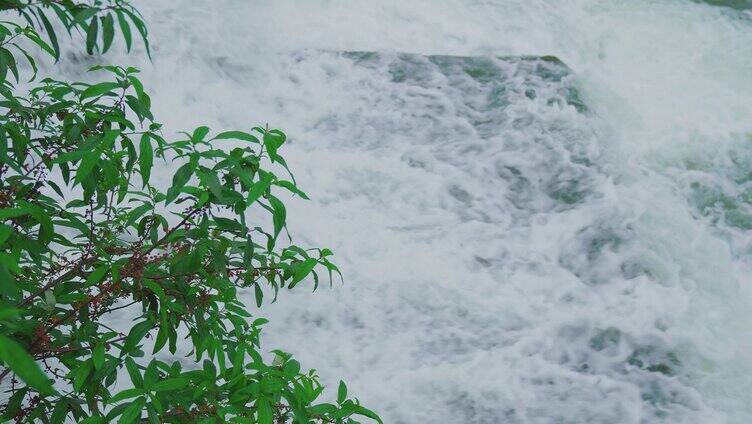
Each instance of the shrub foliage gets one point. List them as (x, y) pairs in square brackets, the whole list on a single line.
[(91, 228)]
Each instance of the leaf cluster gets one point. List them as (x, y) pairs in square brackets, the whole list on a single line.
[(91, 231), (95, 20)]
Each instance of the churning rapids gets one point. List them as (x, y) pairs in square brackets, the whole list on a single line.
[(542, 208)]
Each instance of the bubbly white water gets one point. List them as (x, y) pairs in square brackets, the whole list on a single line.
[(507, 259)]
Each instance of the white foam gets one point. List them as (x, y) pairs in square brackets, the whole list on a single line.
[(462, 302)]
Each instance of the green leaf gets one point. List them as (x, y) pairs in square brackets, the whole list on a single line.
[(11, 262), (97, 275), (70, 156), (81, 375), (108, 32), (237, 135), (3, 69), (154, 409), (289, 185), (133, 412), (9, 286), (264, 411), (259, 294), (125, 394), (211, 181), (170, 384), (7, 313), (32, 63), (141, 29), (5, 232), (50, 34), (229, 224), (136, 213), (199, 133), (292, 368), (64, 17), (323, 408), (137, 333), (14, 212), (15, 402), (155, 288), (59, 412), (273, 140), (161, 340), (139, 87), (259, 188), (39, 42), (134, 372), (83, 15), (145, 158), (341, 392), (302, 270), (99, 89), (50, 299), (98, 356), (125, 29), (179, 180), (24, 366), (279, 215), (7, 60), (360, 410), (91, 36), (87, 165)]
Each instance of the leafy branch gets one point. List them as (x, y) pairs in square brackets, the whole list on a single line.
[(87, 231)]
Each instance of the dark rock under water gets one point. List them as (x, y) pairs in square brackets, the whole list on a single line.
[(483, 69), (733, 4)]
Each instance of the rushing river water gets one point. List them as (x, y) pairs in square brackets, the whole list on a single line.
[(524, 239)]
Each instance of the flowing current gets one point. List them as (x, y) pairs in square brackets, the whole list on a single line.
[(542, 209)]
